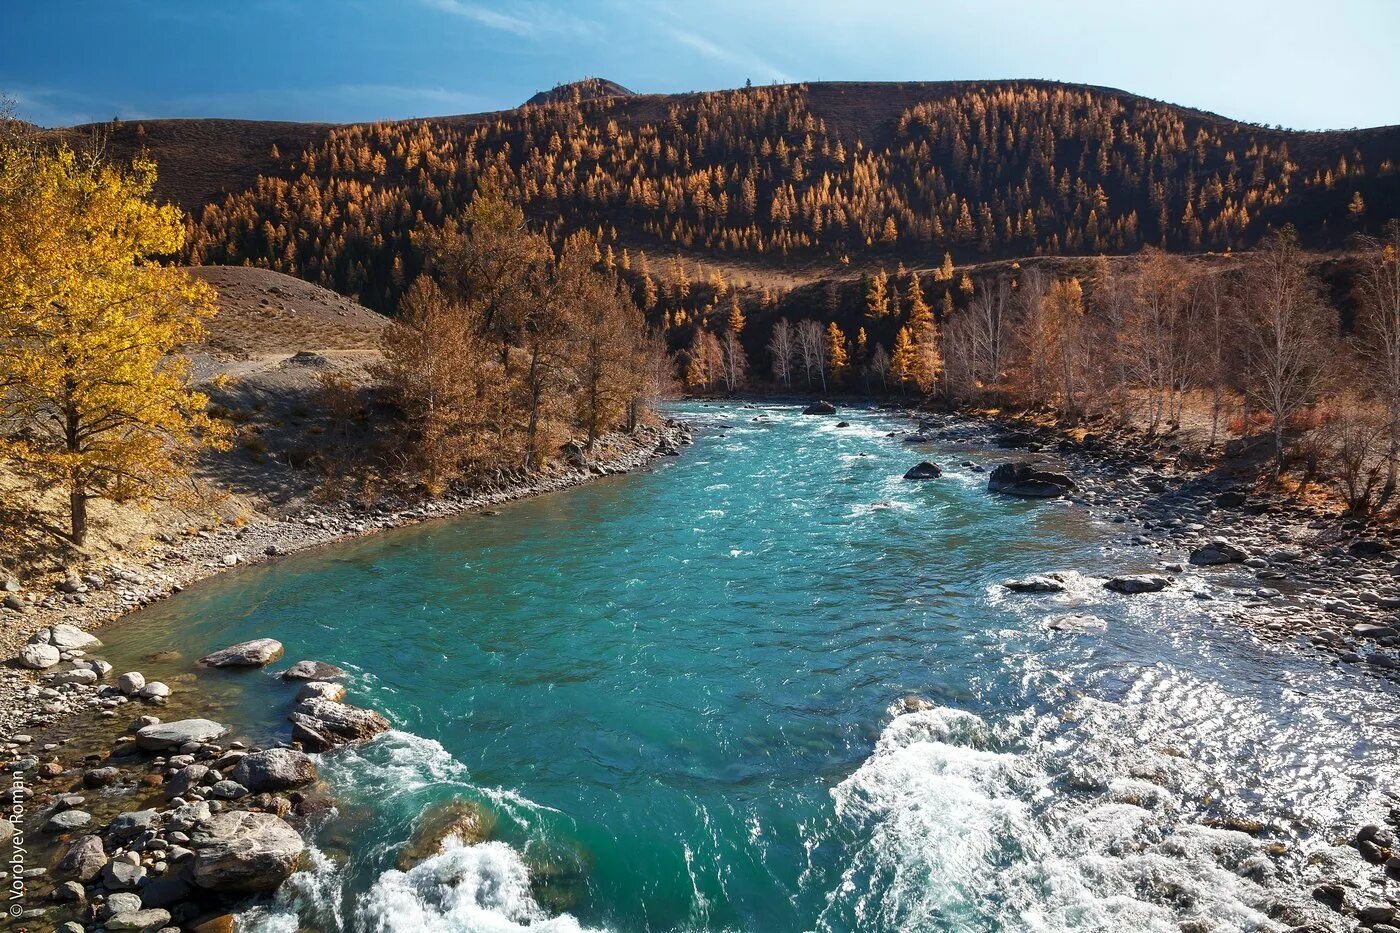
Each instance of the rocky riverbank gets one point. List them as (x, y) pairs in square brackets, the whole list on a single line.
[(1290, 573), (152, 824), (84, 601), (167, 824), (1286, 570)]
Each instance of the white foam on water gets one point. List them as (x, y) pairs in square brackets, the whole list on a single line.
[(310, 899), (483, 887), (955, 833), (394, 763)]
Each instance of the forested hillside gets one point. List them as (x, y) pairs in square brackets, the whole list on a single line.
[(812, 178)]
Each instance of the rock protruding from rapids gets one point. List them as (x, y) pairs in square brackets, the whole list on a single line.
[(256, 653), (924, 470), (313, 670), (464, 820), (274, 769), (820, 408), (320, 724), (1040, 583), (242, 851), (172, 735), (1025, 481), (1216, 552), (1132, 584), (1075, 622)]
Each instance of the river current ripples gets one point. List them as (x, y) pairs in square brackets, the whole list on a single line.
[(770, 685)]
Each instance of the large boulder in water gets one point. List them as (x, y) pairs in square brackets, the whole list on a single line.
[(820, 408), (170, 735), (242, 851), (1024, 480), (924, 470), (1219, 551), (324, 724), (313, 670), (1040, 583), (274, 769), (256, 653), (463, 820)]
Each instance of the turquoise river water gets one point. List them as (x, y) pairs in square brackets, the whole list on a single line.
[(680, 694)]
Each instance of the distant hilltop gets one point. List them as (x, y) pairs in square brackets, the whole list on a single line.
[(578, 91)]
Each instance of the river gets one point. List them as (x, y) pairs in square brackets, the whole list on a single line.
[(681, 696)]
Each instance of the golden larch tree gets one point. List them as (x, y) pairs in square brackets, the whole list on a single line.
[(838, 360), (94, 398)]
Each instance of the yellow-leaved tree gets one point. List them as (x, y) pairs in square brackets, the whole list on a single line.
[(93, 398)]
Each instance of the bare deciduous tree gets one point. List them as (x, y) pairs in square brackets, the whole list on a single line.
[(1379, 331), (782, 351), (1288, 331), (811, 350)]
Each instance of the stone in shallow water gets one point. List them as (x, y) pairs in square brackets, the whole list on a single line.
[(255, 653), (83, 860), (321, 689), (169, 735), (322, 724), (153, 918), (1133, 584), (1040, 583), (1076, 622), (67, 821), (924, 470), (464, 820), (1025, 481), (313, 670)]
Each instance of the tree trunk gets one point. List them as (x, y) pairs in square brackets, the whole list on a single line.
[(77, 517)]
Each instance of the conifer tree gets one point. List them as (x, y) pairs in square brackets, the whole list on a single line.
[(877, 302), (837, 358)]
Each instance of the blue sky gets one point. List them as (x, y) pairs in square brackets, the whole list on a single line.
[(1296, 63)]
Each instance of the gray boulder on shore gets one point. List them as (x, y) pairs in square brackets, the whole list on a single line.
[(37, 657), (243, 851), (65, 637), (256, 653), (1217, 552), (274, 769)]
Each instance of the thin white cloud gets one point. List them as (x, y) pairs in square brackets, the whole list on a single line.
[(484, 16), (729, 55), (531, 20)]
